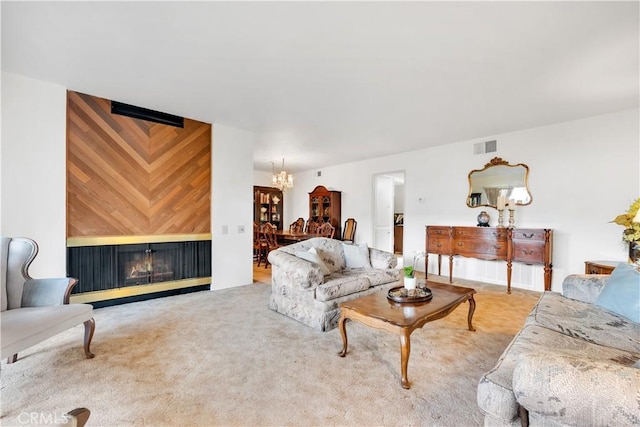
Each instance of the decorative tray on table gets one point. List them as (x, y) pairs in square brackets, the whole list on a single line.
[(402, 294)]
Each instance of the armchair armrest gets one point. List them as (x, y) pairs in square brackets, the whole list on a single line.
[(577, 391), (45, 292), (584, 287), (382, 259), (290, 270)]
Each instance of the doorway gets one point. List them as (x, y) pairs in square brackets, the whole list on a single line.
[(388, 211)]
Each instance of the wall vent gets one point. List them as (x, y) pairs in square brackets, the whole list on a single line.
[(485, 147)]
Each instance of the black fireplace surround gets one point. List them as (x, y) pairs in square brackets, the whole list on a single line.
[(101, 268)]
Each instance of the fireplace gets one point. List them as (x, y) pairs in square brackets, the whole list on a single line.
[(107, 272)]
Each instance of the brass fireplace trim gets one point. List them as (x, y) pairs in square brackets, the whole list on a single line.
[(130, 240), (131, 291)]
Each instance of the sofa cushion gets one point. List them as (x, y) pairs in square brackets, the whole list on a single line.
[(495, 390), (585, 321), (356, 256), (341, 286), (312, 256), (333, 258), (621, 292), (330, 251), (376, 276)]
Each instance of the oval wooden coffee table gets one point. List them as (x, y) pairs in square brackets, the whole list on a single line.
[(402, 319)]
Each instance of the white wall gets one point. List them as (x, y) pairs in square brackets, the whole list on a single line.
[(264, 179), (232, 206), (33, 171), (582, 174)]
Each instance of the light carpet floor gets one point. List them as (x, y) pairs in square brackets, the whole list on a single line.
[(223, 358)]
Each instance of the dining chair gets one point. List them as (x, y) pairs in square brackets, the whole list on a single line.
[(297, 226), (327, 230), (311, 227), (269, 234), (259, 244), (349, 232)]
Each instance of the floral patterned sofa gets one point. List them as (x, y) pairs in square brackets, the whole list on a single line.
[(573, 363), (310, 279)]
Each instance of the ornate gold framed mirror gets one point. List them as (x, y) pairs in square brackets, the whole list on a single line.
[(496, 180)]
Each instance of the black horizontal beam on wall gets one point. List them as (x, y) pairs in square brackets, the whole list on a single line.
[(146, 114)]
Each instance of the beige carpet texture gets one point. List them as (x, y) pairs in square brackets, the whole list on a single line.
[(222, 358)]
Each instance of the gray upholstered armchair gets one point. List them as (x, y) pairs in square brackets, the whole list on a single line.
[(35, 309)]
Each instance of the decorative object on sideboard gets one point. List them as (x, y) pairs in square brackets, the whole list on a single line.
[(511, 206), (281, 180), (501, 203), (483, 219), (630, 220)]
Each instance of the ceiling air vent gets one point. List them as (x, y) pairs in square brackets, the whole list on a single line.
[(485, 147), (146, 114)]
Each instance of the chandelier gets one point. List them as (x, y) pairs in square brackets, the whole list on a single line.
[(282, 179)]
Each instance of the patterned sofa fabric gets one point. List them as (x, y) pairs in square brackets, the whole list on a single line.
[(585, 321), (567, 328), (300, 290), (615, 403)]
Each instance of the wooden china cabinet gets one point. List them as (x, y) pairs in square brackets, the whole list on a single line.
[(325, 206), (267, 206)]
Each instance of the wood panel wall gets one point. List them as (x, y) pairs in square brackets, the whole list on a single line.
[(131, 177)]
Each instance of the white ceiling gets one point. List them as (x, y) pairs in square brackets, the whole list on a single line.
[(324, 83)]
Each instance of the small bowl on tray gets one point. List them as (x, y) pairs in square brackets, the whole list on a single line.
[(402, 294)]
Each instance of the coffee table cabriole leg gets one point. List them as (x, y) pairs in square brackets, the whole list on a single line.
[(472, 308), (405, 350), (343, 332)]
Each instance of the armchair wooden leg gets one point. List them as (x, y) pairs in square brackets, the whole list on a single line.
[(81, 416), (12, 359), (524, 416), (89, 328)]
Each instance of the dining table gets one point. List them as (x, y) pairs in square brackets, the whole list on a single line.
[(286, 237)]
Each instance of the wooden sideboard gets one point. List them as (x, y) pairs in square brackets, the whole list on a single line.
[(526, 245), (600, 267)]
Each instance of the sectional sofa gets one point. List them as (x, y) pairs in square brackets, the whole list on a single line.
[(575, 362)]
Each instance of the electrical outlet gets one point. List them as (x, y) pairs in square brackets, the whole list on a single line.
[(240, 229), (225, 229)]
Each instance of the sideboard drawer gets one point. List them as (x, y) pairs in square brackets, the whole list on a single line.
[(438, 231), (439, 246), (480, 248), (528, 234), (528, 252), (479, 233)]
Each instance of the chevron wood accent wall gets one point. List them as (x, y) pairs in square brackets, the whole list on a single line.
[(130, 177)]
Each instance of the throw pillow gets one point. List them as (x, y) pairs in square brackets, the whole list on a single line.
[(357, 256), (312, 256), (621, 292)]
